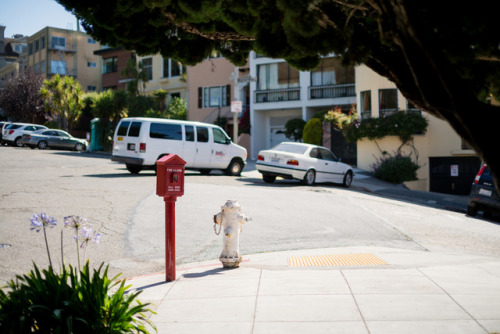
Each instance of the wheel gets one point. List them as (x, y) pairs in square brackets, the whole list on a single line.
[(32, 147), (134, 169), (42, 145), (17, 142), (471, 210), (347, 179), (487, 214), (234, 168), (205, 171), (268, 178), (309, 178), (79, 147)]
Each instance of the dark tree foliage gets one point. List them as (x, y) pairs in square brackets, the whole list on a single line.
[(442, 55), (21, 100)]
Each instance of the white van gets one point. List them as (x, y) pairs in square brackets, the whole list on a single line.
[(139, 142)]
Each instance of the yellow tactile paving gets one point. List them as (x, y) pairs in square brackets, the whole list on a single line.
[(363, 259)]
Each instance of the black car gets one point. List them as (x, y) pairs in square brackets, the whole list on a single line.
[(483, 195)]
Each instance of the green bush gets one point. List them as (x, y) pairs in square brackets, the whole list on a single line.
[(71, 301), (313, 132), (396, 169)]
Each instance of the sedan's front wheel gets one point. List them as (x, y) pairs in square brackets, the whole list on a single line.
[(79, 147), (309, 178), (347, 179)]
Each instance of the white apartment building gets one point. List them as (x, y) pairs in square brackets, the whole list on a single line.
[(279, 93)]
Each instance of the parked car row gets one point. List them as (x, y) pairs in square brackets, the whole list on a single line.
[(36, 135)]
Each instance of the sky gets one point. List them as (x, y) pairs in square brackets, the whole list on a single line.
[(27, 17)]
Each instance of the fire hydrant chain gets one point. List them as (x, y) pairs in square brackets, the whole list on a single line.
[(232, 219), (215, 227)]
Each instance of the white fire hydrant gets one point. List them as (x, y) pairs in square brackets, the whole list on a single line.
[(230, 220)]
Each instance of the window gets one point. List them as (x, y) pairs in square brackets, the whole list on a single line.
[(219, 136), (42, 43), (189, 132), (91, 41), (110, 65), (202, 134), (277, 76), (17, 48), (91, 88), (326, 155), (365, 104), (387, 101), (30, 49), (166, 131), (135, 129), (42, 66), (172, 68), (58, 67), (58, 42), (216, 96), (91, 64), (147, 68), (37, 45), (122, 130), (325, 73)]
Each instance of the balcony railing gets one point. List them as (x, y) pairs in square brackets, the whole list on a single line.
[(277, 95), (331, 91)]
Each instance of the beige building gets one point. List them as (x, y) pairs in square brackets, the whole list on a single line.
[(163, 74), (446, 163), (65, 52), (12, 55)]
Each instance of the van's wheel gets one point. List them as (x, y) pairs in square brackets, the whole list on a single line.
[(205, 171), (309, 178), (134, 169), (234, 168), (268, 178), (347, 179)]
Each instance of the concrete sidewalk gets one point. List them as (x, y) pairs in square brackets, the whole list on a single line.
[(346, 290)]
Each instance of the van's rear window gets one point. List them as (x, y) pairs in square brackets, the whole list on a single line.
[(135, 129), (122, 130), (166, 131)]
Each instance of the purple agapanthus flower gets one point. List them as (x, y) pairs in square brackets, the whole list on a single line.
[(42, 220), (75, 222), (88, 234)]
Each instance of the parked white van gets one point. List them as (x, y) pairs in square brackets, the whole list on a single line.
[(139, 142)]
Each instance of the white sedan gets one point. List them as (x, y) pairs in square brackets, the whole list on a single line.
[(305, 162)]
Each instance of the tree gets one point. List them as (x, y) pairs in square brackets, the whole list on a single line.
[(294, 128), (161, 97), (63, 99), (443, 57), (20, 98), (136, 74), (109, 106)]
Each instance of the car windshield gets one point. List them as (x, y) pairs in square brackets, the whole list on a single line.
[(290, 148)]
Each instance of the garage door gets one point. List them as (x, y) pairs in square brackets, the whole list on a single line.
[(452, 175)]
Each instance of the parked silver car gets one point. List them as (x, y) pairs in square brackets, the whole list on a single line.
[(50, 138)]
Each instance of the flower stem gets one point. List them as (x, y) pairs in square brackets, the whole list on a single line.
[(62, 252), (47, 245)]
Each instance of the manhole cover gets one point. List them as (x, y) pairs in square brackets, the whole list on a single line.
[(4, 245)]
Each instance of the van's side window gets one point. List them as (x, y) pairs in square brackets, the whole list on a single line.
[(189, 132), (202, 134), (122, 130), (219, 136), (166, 131), (135, 129)]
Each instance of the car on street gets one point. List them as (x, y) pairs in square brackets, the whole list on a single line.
[(52, 138), (305, 162), (483, 196), (2, 125), (13, 132)]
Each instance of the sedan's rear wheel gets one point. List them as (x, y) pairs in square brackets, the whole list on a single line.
[(42, 145), (309, 178)]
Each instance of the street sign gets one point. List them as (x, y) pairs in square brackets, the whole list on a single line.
[(236, 106)]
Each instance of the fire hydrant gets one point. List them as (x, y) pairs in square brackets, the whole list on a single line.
[(230, 220)]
